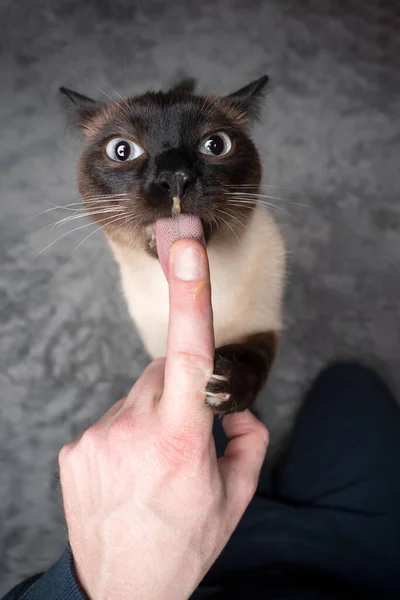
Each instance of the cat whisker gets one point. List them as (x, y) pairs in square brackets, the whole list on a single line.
[(56, 206), (109, 201), (267, 206), (254, 195), (131, 220), (86, 214), (64, 234), (97, 229), (208, 103), (230, 227), (255, 201), (101, 91), (232, 216), (242, 201), (113, 100), (213, 219), (106, 198), (249, 205), (251, 185), (124, 100), (262, 199), (94, 200)]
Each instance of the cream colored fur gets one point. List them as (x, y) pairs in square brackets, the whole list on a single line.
[(247, 277)]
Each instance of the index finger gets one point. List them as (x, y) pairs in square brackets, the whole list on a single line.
[(190, 346)]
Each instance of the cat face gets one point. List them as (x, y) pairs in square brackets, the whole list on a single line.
[(155, 155)]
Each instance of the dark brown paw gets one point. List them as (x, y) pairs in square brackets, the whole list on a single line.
[(237, 379)]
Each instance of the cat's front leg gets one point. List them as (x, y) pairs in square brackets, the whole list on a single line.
[(240, 372)]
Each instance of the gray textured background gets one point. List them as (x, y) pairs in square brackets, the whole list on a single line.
[(331, 140)]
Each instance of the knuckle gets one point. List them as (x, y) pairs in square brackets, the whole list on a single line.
[(122, 428), (88, 440), (193, 363), (64, 455), (247, 490), (179, 447), (155, 365), (158, 361), (263, 434)]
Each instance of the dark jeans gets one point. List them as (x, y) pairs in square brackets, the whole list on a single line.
[(330, 522)]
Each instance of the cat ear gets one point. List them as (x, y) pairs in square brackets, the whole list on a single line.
[(77, 108), (249, 98)]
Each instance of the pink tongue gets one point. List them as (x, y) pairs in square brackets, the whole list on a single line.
[(176, 228)]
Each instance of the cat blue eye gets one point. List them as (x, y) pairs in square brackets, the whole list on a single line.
[(216, 144), (122, 150)]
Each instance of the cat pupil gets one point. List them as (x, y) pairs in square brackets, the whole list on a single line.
[(123, 150), (215, 145)]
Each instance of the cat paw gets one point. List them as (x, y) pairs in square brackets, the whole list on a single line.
[(234, 385)]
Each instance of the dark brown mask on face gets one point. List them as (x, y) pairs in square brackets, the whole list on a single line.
[(159, 154)]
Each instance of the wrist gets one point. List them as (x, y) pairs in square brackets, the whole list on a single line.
[(170, 578)]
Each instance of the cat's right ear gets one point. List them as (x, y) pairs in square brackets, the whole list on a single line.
[(77, 108)]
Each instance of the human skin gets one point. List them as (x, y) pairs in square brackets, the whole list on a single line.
[(148, 505)]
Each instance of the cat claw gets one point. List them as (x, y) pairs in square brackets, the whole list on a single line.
[(214, 400), (219, 377), (213, 397)]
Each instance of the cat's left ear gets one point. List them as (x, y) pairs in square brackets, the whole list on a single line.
[(78, 108), (249, 98)]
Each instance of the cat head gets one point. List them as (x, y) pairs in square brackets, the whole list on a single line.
[(152, 156)]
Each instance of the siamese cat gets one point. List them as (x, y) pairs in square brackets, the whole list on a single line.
[(167, 165)]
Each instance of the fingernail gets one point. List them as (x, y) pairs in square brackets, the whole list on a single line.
[(187, 263)]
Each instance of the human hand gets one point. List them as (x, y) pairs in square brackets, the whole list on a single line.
[(148, 505)]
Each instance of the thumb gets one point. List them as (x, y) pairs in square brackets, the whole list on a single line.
[(244, 456)]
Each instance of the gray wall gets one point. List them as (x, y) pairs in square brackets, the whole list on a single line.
[(330, 140)]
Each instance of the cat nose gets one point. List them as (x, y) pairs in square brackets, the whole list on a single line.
[(175, 183)]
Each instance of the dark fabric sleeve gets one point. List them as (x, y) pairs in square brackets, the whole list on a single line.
[(58, 583)]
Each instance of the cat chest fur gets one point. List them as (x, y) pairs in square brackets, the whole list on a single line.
[(247, 276)]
